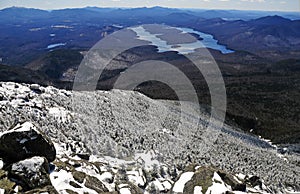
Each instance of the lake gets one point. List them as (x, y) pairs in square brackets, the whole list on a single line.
[(163, 45)]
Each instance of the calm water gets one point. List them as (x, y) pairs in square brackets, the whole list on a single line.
[(185, 48), (208, 41)]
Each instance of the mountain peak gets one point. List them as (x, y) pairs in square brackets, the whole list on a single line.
[(271, 20)]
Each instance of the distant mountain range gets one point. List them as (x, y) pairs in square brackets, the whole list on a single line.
[(273, 37), (26, 33), (152, 11)]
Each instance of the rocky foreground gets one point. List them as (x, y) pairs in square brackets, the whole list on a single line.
[(57, 141)]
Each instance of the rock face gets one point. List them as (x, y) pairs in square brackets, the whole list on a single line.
[(25, 141), (31, 173)]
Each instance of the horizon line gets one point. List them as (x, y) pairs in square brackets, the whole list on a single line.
[(149, 7)]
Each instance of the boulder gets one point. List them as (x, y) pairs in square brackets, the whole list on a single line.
[(202, 177), (31, 173), (230, 180), (211, 179), (95, 184), (24, 141)]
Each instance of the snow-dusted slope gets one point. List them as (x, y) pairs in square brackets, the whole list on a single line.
[(136, 129)]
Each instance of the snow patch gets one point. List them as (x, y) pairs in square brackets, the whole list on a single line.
[(218, 186), (292, 192), (106, 176), (125, 191), (60, 113), (197, 190), (27, 126), (147, 158), (184, 178), (136, 177), (61, 181), (30, 164)]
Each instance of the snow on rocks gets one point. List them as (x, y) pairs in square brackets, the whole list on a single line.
[(24, 141), (31, 173), (291, 192), (147, 159), (184, 178), (107, 177), (61, 180), (160, 185), (60, 113), (16, 95), (26, 152), (240, 176), (31, 100), (128, 188), (142, 133), (25, 127), (211, 180), (124, 189), (136, 177), (115, 174), (218, 185), (197, 190)]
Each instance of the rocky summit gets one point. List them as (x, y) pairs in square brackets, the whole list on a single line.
[(58, 141)]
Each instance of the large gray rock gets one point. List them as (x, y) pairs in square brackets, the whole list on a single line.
[(210, 180), (31, 173), (25, 141)]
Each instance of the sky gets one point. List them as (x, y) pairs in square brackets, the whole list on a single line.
[(267, 5)]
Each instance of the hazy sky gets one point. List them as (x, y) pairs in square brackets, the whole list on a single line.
[(274, 5)]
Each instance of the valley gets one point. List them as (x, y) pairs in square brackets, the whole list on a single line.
[(149, 100), (261, 76)]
